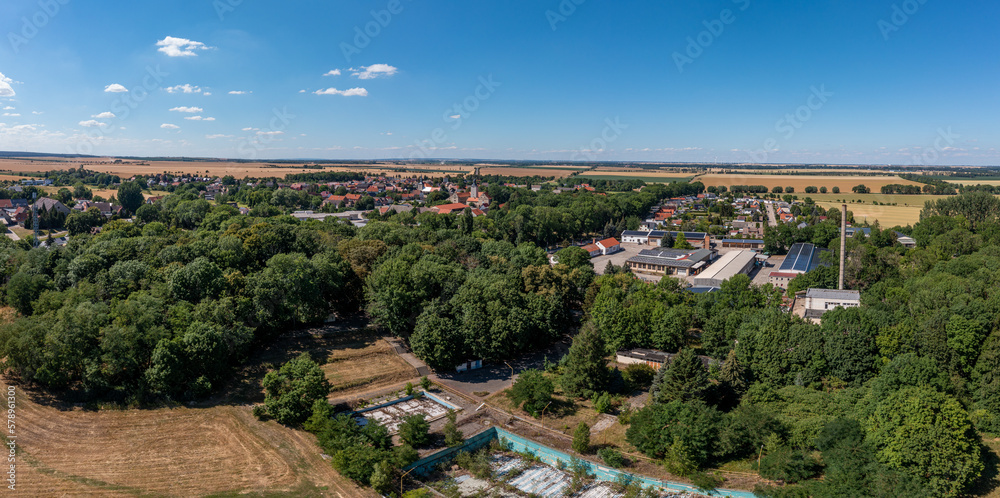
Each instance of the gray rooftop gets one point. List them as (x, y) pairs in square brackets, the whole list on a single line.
[(843, 295)]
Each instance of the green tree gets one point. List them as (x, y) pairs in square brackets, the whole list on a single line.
[(685, 379), (574, 257), (414, 431), (291, 391), (681, 242), (130, 196), (532, 391), (836, 190), (581, 438), (452, 435), (586, 371), (927, 434)]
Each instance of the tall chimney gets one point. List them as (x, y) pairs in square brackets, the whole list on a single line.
[(843, 244)]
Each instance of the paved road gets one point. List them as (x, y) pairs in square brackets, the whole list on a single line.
[(772, 219), (12, 236)]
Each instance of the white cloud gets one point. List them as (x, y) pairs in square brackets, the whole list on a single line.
[(207, 93), (353, 92), (332, 72), (239, 92), (180, 47), (8, 108), (12, 114), (90, 123), (455, 116), (187, 109), (374, 71), (104, 115), (250, 129), (168, 126), (302, 91), (37, 112), (219, 135), (199, 118), (270, 133), (115, 88), (5, 89), (185, 88)]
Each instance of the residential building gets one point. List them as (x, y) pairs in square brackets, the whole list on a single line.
[(819, 301)]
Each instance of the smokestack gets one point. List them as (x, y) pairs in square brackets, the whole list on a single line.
[(843, 244)]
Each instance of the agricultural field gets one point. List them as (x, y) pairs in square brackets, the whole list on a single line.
[(647, 179), (180, 451), (898, 199), (887, 216), (557, 172), (215, 448), (129, 168), (800, 182)]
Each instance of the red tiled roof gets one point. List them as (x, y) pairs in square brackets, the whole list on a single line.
[(609, 242)]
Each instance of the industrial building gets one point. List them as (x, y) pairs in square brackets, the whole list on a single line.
[(819, 301), (728, 266), (665, 261)]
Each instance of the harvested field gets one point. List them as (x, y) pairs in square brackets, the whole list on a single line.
[(887, 216), (365, 363), (129, 168), (647, 179), (660, 172), (800, 182), (515, 171), (69, 451)]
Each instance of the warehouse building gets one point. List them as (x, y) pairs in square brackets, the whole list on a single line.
[(819, 301), (728, 266)]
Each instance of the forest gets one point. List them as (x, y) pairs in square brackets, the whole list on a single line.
[(894, 395)]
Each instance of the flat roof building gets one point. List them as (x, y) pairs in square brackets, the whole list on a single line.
[(801, 258), (728, 266), (819, 301), (664, 261)]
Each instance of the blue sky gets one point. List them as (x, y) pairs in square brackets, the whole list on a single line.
[(848, 81)]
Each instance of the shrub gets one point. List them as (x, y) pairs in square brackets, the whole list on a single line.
[(612, 457), (452, 436), (409, 389), (581, 438), (602, 403), (414, 431), (425, 383), (638, 376), (788, 465)]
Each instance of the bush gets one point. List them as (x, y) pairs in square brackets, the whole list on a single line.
[(532, 391), (260, 411), (289, 393), (638, 376), (425, 383), (414, 431), (786, 464), (602, 403), (452, 436), (705, 482), (409, 389), (612, 457), (581, 438)]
